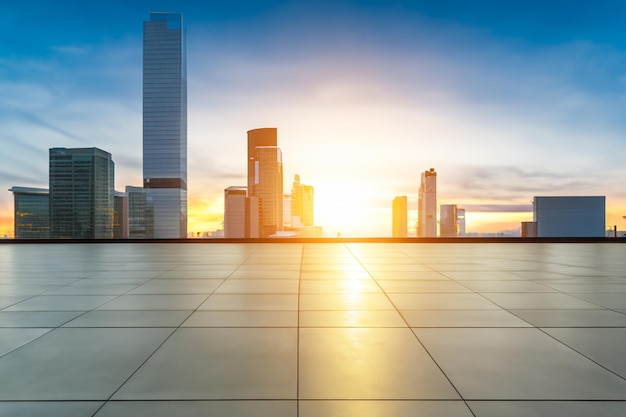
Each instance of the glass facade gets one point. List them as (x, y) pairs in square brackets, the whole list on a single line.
[(165, 122), (268, 188), (31, 213), (81, 193), (140, 213)]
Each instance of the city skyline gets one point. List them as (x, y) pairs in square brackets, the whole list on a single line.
[(507, 102)]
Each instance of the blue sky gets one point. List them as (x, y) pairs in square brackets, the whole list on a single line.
[(506, 100)]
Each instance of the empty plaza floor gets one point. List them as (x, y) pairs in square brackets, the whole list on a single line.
[(313, 329)]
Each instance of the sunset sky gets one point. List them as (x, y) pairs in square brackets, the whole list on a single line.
[(505, 99)]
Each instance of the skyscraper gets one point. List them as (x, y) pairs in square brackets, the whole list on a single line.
[(268, 189), (81, 193), (302, 204), (427, 205), (265, 184), (399, 217), (165, 122), (31, 213)]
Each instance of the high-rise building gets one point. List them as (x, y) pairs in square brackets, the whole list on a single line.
[(120, 215), (81, 193), (302, 204), (235, 209), (267, 136), (399, 217), (448, 220), (31, 213), (165, 122), (265, 183), (427, 205), (268, 189), (140, 213)]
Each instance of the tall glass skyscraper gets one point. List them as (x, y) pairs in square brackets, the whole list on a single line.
[(81, 193), (165, 122)]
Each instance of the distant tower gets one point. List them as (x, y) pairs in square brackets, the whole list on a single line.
[(427, 211), (265, 183), (268, 189), (81, 193), (235, 212), (302, 203), (400, 217), (31, 213), (448, 220), (165, 122)]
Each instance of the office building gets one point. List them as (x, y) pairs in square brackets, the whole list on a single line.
[(427, 205), (302, 204), (31, 213), (448, 220), (235, 209), (81, 193), (267, 136), (265, 183), (120, 215), (140, 213), (572, 216), (400, 223), (268, 190), (165, 123)]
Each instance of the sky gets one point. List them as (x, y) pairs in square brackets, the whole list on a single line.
[(506, 100)]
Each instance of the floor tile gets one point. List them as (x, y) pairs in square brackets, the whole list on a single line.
[(61, 303), (345, 301), (259, 286), (548, 408), (604, 346), (438, 301), (351, 318), (199, 409), (26, 319), (537, 301), (202, 364), (383, 408), (76, 364), (516, 364), (124, 318), (250, 302), (49, 409), (243, 319), (11, 339), (572, 318), (155, 302), (348, 364), (462, 318)]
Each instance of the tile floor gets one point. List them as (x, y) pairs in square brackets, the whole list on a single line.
[(313, 329)]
